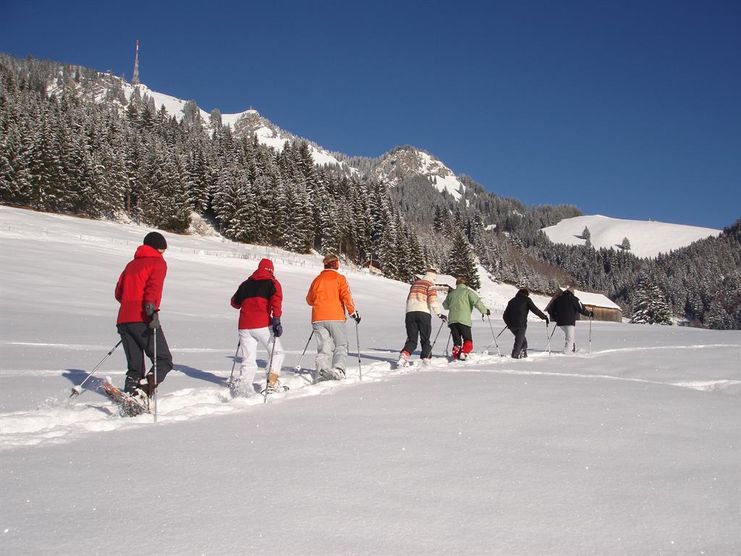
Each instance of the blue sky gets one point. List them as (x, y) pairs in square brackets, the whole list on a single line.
[(629, 108)]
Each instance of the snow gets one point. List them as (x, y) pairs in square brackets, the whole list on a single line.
[(647, 238), (629, 446)]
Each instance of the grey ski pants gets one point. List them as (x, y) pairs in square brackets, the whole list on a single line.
[(331, 344)]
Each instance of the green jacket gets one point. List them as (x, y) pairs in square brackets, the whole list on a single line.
[(460, 303)]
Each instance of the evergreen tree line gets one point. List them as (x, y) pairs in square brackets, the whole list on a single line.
[(59, 153)]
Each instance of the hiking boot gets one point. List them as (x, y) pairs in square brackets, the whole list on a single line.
[(403, 359), (339, 374)]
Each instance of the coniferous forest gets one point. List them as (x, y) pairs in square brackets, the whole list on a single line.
[(71, 142)]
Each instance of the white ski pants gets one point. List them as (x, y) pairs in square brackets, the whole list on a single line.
[(331, 344), (249, 338), (570, 333)]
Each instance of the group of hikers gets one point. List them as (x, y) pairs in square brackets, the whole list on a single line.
[(260, 298)]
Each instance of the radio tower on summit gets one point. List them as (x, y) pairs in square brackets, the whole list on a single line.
[(135, 77)]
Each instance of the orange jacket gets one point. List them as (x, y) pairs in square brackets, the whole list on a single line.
[(329, 297)]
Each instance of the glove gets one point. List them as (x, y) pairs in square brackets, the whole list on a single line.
[(277, 327), (154, 322), (547, 321), (356, 316), (488, 312), (591, 314), (149, 309), (443, 317)]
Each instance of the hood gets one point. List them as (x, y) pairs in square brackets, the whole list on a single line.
[(146, 251), (264, 270)]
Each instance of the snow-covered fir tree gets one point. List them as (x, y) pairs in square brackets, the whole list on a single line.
[(651, 307)]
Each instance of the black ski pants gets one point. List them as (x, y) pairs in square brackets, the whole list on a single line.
[(418, 323), (520, 341), (138, 339), (461, 333)]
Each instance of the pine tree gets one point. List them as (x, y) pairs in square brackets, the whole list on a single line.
[(461, 262), (651, 307)]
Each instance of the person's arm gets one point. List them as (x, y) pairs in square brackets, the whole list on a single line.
[(476, 302), (276, 300), (154, 285), (118, 293), (535, 309), (345, 295), (237, 298)]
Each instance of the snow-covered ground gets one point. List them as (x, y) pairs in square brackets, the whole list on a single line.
[(630, 446), (647, 238)]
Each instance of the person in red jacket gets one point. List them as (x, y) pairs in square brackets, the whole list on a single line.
[(139, 291), (259, 300)]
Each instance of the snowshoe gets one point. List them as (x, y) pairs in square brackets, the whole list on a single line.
[(129, 405), (326, 374), (239, 388)]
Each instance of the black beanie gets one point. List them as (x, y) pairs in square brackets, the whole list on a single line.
[(156, 240)]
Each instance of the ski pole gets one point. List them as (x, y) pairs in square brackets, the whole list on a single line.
[(357, 343), (436, 335), (590, 334), (268, 371), (154, 366), (298, 367), (234, 362), (549, 338), (497, 336), (77, 390)]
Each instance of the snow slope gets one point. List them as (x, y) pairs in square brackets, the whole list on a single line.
[(647, 238), (628, 447)]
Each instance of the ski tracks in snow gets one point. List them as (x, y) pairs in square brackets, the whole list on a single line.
[(64, 420)]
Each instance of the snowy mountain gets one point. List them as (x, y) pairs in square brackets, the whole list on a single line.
[(113, 90), (629, 446), (405, 162), (647, 238)]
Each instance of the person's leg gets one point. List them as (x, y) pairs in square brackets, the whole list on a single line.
[(134, 356), (248, 347), (424, 322), (455, 331), (164, 358), (412, 328), (338, 332), (519, 341), (467, 336), (324, 346), (569, 338)]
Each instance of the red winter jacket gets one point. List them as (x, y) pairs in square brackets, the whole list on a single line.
[(140, 283), (259, 298)]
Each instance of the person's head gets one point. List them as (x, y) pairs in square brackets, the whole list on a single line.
[(266, 264), (155, 240), (523, 291), (460, 280), (331, 261)]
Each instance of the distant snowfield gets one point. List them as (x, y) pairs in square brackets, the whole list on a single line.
[(629, 446), (647, 238)]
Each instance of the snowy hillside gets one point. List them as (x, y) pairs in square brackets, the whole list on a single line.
[(629, 446), (647, 238), (404, 162)]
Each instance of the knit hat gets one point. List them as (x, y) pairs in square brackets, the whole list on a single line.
[(155, 240)]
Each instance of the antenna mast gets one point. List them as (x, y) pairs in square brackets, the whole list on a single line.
[(135, 78)]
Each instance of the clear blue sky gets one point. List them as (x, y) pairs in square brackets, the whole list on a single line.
[(629, 108)]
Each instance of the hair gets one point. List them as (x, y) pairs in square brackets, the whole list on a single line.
[(524, 291), (460, 280)]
